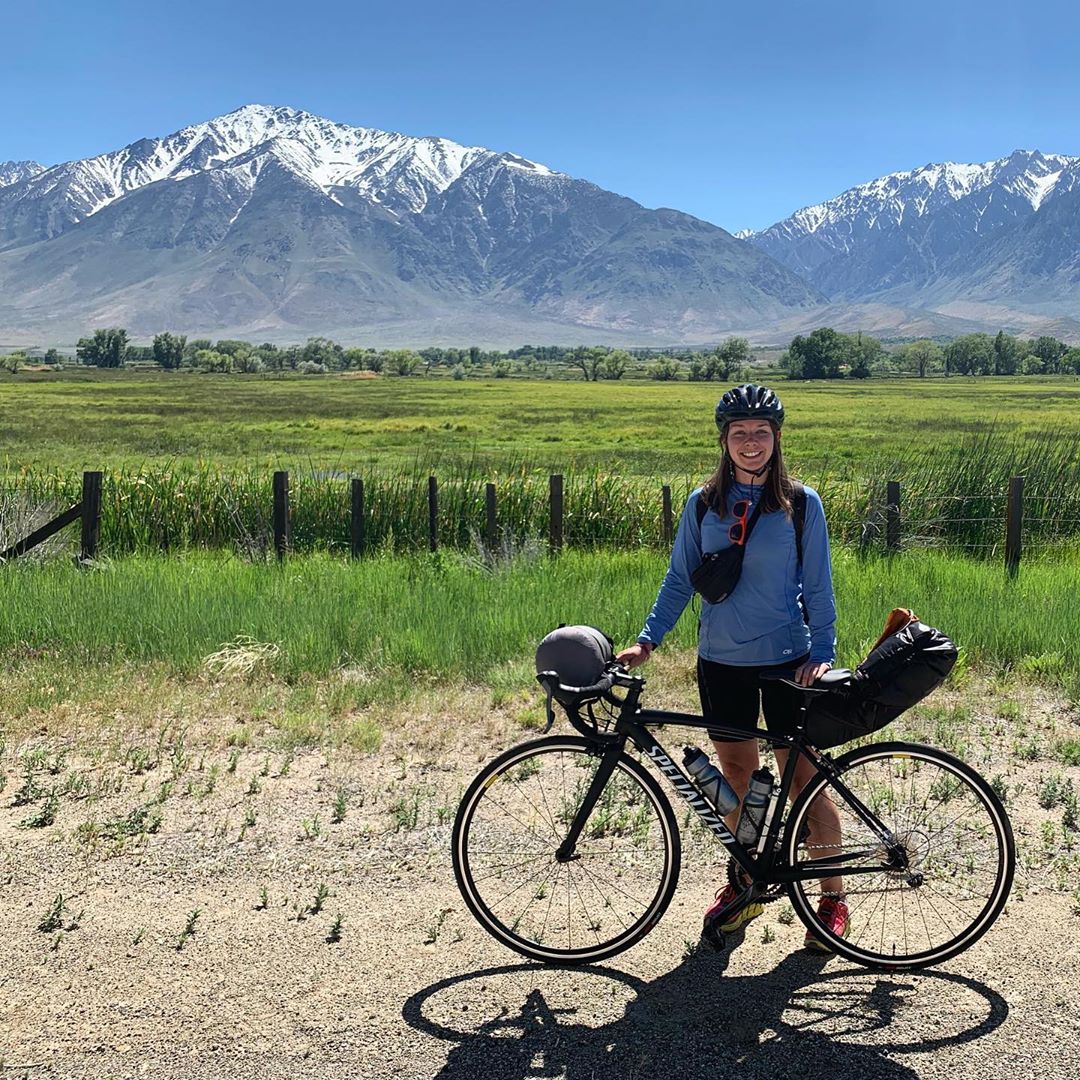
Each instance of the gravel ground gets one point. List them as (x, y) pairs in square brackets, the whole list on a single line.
[(414, 988)]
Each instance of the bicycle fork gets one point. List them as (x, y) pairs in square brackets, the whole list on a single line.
[(608, 760)]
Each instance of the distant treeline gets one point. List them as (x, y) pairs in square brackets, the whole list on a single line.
[(111, 348), (823, 354), (828, 354)]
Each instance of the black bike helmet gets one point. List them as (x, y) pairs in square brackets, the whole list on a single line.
[(749, 402), (579, 654)]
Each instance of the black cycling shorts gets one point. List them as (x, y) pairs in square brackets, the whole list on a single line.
[(733, 696)]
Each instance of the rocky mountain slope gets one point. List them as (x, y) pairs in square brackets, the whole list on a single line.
[(273, 221), (1003, 233), (11, 172)]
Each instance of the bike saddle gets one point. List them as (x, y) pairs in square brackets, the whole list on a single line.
[(833, 679), (840, 676)]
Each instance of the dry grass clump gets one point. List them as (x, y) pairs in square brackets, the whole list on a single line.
[(243, 657)]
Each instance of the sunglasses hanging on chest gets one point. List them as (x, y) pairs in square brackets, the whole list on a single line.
[(719, 572)]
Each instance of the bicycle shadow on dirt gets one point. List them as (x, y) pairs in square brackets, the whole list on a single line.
[(695, 1021)]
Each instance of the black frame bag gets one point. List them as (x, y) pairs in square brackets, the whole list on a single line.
[(904, 666), (719, 572)]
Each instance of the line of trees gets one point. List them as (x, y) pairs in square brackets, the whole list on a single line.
[(828, 354), (825, 353), (112, 348)]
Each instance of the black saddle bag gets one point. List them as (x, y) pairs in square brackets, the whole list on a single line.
[(905, 665)]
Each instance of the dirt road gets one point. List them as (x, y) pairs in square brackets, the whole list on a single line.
[(191, 941)]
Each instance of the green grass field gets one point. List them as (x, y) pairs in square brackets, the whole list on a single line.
[(188, 457), (447, 617), (88, 419)]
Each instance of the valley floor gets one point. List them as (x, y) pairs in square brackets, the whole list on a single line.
[(153, 824)]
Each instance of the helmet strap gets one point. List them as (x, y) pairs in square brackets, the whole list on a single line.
[(750, 472)]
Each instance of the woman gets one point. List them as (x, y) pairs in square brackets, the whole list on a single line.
[(780, 616)]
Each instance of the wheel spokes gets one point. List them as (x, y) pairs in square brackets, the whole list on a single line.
[(941, 876), (615, 874)]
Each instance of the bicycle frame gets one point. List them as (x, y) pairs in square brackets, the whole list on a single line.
[(764, 865)]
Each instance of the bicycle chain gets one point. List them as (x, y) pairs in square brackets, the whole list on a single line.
[(772, 892)]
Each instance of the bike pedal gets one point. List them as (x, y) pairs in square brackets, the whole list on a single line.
[(713, 937)]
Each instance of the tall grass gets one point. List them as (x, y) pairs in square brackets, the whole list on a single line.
[(958, 498), (446, 617), (164, 508), (953, 499)]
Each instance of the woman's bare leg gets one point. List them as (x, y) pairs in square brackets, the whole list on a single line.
[(825, 832)]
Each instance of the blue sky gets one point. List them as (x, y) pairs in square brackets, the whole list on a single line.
[(738, 113)]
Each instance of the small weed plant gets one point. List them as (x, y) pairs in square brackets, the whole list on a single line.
[(435, 928), (53, 919), (334, 934), (44, 816), (188, 931), (321, 896)]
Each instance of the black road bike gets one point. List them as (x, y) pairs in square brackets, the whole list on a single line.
[(567, 850)]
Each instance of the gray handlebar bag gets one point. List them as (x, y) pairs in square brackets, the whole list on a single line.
[(899, 672), (580, 655)]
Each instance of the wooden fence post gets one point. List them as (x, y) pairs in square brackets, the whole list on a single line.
[(892, 516), (281, 513), (1014, 520), (91, 514), (491, 530), (665, 499), (433, 513), (356, 520), (555, 494)]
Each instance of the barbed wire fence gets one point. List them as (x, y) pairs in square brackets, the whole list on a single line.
[(347, 515)]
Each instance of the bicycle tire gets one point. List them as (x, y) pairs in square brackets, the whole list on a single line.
[(625, 867), (959, 845)]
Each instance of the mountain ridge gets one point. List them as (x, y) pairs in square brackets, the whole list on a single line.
[(889, 236), (11, 172), (273, 217), (272, 220)]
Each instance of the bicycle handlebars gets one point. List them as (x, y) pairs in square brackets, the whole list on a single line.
[(580, 695)]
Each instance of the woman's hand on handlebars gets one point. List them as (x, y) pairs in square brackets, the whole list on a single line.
[(807, 674), (637, 654)]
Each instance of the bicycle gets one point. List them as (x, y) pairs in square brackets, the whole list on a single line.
[(566, 849)]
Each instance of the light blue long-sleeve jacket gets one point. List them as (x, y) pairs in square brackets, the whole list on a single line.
[(760, 622)]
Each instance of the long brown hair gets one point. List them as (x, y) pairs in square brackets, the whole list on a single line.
[(778, 485)]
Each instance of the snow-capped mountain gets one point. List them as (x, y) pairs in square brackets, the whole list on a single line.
[(11, 172), (902, 229), (397, 171), (274, 220)]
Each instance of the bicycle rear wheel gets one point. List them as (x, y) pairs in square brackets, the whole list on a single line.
[(956, 855), (608, 895)]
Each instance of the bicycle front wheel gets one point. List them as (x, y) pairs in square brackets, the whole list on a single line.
[(612, 890), (933, 892)]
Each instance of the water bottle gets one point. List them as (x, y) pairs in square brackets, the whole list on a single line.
[(710, 780), (754, 807)]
